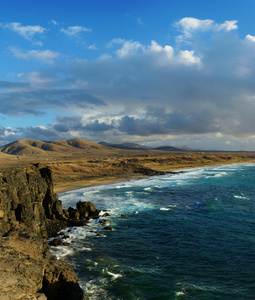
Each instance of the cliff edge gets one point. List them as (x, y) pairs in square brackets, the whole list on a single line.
[(28, 210)]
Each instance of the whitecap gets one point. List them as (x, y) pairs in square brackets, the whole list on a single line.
[(165, 208), (179, 293), (114, 275), (240, 197)]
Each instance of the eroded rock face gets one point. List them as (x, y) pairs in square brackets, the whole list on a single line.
[(60, 282), (22, 261), (29, 212), (26, 196)]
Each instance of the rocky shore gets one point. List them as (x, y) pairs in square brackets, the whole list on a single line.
[(30, 213)]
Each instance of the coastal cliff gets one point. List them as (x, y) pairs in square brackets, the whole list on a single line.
[(29, 209)]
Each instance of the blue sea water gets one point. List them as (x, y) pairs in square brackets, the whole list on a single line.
[(186, 236)]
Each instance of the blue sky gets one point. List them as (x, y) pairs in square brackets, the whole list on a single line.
[(152, 72)]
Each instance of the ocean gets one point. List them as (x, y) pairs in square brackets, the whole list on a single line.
[(188, 235)]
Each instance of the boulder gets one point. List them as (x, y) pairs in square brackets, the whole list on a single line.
[(108, 228), (104, 222), (87, 209), (105, 215), (55, 242)]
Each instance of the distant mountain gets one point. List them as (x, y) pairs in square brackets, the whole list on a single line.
[(169, 148), (127, 146), (134, 146)]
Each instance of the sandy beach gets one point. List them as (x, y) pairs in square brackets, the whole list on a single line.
[(85, 173)]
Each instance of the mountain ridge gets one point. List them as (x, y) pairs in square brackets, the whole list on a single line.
[(74, 147)]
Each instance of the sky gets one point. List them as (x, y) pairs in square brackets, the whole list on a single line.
[(153, 72)]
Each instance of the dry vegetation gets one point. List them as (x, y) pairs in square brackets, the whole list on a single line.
[(80, 163)]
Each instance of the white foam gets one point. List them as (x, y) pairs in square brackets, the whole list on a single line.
[(240, 197), (180, 294), (114, 276), (165, 208), (61, 252), (94, 289)]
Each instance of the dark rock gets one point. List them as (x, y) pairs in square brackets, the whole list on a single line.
[(104, 222), (100, 234), (55, 242), (53, 227), (73, 213), (66, 244), (87, 209), (108, 228), (105, 215), (78, 223), (124, 216)]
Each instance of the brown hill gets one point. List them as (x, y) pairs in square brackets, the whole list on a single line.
[(30, 147), (23, 147), (6, 157), (82, 144)]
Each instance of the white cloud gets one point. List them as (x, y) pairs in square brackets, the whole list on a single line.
[(148, 91), (117, 41), (28, 32), (128, 48), (74, 30), (189, 26), (188, 57), (155, 47), (250, 37), (46, 56), (227, 25)]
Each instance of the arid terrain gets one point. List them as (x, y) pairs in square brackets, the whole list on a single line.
[(76, 163)]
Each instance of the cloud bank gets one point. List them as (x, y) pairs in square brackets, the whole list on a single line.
[(200, 88)]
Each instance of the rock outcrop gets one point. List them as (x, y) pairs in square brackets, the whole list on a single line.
[(29, 212)]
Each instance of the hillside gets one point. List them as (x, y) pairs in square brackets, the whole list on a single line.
[(4, 156), (30, 147)]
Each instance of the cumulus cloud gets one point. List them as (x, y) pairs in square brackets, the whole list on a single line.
[(28, 32), (74, 30), (250, 37), (128, 48), (138, 91), (189, 26)]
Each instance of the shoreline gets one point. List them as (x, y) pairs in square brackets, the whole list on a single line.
[(72, 186)]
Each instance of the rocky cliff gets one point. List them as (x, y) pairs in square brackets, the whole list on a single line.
[(29, 210)]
